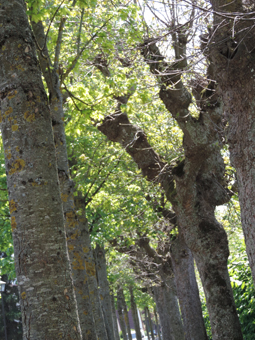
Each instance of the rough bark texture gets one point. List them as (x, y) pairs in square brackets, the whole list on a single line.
[(187, 290), (233, 65), (99, 255), (135, 314), (42, 266), (73, 231)]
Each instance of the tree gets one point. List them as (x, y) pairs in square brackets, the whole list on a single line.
[(231, 54), (42, 267)]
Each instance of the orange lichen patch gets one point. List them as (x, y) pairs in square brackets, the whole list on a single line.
[(17, 149), (8, 154), (77, 262), (12, 206), (90, 268), (23, 295), (55, 108), (88, 332), (70, 219), (71, 247), (85, 297), (67, 297), (85, 249), (13, 223), (30, 117), (10, 110), (64, 197), (85, 313), (12, 94), (18, 165), (101, 297), (15, 127)]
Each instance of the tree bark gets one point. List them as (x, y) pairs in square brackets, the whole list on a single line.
[(233, 65), (99, 322), (163, 313), (74, 240), (121, 314), (157, 324), (135, 314), (101, 268), (187, 290), (42, 266), (147, 323), (150, 322), (114, 319)]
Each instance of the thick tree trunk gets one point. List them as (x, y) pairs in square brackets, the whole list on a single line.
[(101, 268), (187, 290), (42, 266), (234, 71), (135, 314), (75, 245)]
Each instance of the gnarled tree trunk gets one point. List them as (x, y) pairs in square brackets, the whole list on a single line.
[(233, 66)]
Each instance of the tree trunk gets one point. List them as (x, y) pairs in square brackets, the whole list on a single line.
[(150, 322), (163, 313), (157, 324), (135, 314), (101, 268), (42, 267), (234, 71), (187, 290), (74, 241), (147, 323), (99, 322), (121, 314), (125, 312), (114, 319)]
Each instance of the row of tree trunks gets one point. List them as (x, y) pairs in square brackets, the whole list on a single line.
[(41, 259), (135, 314), (104, 290), (188, 294), (192, 186), (115, 320)]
